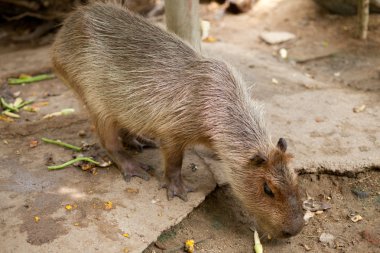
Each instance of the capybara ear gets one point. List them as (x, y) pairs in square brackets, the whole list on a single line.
[(259, 159), (282, 145)]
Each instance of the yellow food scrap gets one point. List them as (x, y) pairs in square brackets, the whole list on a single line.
[(210, 39), (6, 118), (126, 235), (76, 224), (68, 207), (132, 190), (258, 246), (189, 246), (30, 108), (108, 205), (24, 76), (36, 219), (126, 250)]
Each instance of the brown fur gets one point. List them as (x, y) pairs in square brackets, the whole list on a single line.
[(136, 78)]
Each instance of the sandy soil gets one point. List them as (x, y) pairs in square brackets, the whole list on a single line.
[(225, 229)]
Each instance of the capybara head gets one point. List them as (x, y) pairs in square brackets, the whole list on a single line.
[(270, 193)]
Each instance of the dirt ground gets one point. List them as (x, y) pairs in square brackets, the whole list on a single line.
[(222, 228), (309, 98)]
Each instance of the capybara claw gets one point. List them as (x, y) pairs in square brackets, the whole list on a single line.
[(178, 189), (135, 171)]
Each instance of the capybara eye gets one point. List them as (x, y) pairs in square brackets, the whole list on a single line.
[(268, 191)]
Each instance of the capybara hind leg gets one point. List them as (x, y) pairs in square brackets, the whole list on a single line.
[(136, 142), (109, 136), (173, 178)]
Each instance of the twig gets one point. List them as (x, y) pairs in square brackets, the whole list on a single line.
[(58, 167), (31, 79), (37, 33), (27, 4), (63, 144)]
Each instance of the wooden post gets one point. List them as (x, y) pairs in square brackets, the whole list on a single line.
[(363, 17), (182, 18)]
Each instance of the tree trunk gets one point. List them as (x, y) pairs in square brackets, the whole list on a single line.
[(363, 16), (182, 18)]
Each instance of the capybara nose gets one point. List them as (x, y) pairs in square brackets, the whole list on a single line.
[(293, 229), (286, 234)]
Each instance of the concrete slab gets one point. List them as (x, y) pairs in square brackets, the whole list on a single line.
[(28, 190), (316, 118), (139, 207)]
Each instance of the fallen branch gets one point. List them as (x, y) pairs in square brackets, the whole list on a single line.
[(62, 144), (87, 159)]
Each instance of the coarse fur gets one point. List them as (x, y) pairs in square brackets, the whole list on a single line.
[(133, 76)]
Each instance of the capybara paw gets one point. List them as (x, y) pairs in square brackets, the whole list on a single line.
[(135, 170), (177, 188)]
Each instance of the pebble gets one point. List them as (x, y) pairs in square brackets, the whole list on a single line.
[(276, 37), (359, 193), (327, 238), (359, 108), (356, 218)]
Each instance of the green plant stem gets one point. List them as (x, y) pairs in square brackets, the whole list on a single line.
[(58, 167), (8, 106), (31, 79), (62, 144), (25, 103)]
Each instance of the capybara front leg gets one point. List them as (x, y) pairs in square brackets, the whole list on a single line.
[(109, 136), (173, 177)]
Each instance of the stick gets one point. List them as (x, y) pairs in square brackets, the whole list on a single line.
[(58, 167), (63, 144), (363, 17), (31, 79)]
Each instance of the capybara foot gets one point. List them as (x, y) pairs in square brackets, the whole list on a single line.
[(177, 188), (135, 169)]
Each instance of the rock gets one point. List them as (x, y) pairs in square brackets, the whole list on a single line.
[(314, 205), (356, 218), (327, 238), (308, 215), (276, 37), (360, 194)]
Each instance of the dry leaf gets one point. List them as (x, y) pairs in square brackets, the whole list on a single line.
[(33, 143)]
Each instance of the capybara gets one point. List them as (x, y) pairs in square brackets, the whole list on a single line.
[(138, 79)]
